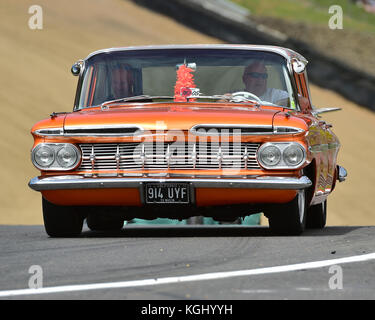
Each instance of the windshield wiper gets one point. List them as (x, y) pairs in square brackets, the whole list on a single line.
[(135, 98), (228, 98)]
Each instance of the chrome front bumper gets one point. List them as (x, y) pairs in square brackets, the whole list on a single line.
[(250, 182)]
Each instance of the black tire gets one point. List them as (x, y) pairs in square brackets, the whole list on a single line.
[(195, 220), (99, 222), (61, 221), (317, 216), (290, 218)]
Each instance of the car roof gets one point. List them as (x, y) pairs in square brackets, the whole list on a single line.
[(285, 52)]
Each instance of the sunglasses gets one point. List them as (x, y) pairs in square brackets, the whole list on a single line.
[(257, 75)]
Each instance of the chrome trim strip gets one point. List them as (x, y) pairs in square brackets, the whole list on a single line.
[(210, 126), (292, 130), (50, 132), (254, 182), (80, 130), (272, 130), (64, 131)]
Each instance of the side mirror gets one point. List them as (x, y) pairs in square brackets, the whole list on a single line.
[(76, 68)]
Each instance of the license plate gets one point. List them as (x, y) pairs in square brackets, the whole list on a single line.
[(167, 193)]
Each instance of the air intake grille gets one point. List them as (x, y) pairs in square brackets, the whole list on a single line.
[(163, 156)]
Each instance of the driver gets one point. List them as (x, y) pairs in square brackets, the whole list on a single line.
[(255, 79)]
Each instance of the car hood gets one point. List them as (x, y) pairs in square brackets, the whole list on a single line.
[(170, 116)]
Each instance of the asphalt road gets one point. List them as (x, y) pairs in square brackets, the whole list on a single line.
[(224, 262)]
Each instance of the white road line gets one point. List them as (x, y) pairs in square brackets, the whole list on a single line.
[(196, 277)]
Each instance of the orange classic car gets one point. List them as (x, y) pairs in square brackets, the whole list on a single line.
[(178, 131)]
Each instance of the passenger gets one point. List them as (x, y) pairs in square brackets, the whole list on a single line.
[(122, 82)]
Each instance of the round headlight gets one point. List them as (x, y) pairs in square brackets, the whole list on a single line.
[(270, 156), (67, 156), (43, 156), (293, 155)]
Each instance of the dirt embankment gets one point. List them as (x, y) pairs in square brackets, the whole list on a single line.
[(35, 80), (354, 48)]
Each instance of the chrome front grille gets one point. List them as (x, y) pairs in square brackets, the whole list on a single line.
[(164, 156)]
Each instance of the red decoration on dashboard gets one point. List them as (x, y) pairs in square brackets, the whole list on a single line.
[(185, 80)]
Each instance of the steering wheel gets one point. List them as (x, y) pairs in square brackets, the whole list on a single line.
[(243, 96)]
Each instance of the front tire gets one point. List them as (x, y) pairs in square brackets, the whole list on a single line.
[(61, 221), (290, 218), (317, 216)]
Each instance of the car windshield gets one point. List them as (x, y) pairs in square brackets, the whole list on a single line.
[(186, 75)]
